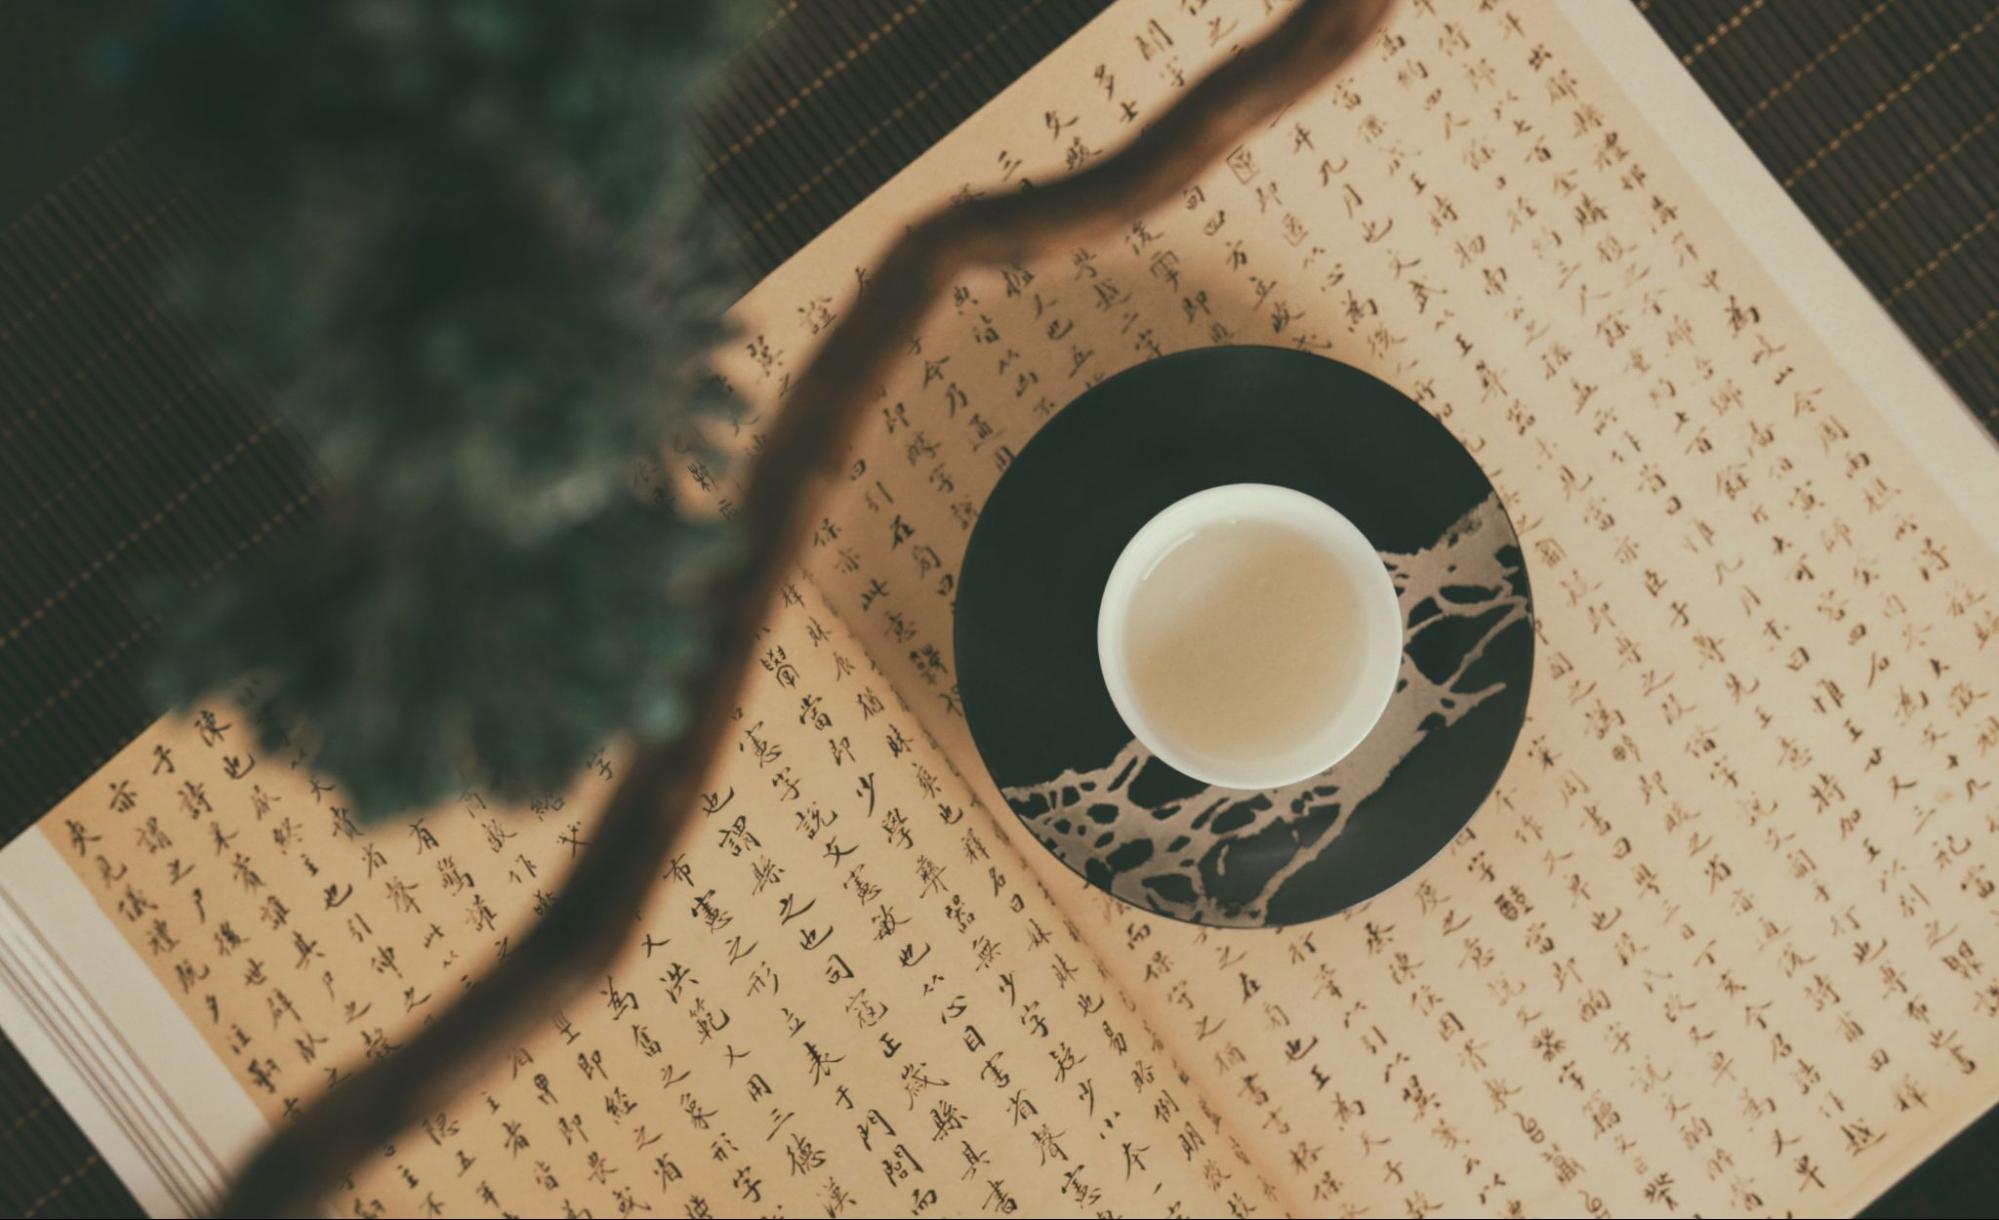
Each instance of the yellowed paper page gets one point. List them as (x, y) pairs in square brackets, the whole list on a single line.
[(122, 1058), (1721, 940), (846, 997)]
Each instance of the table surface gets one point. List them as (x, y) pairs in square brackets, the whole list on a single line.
[(1881, 120)]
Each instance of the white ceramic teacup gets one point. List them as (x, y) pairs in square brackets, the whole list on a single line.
[(1345, 710)]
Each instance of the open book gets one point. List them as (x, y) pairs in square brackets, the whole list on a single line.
[(1722, 941)]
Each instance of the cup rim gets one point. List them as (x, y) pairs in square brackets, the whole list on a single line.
[(1382, 620)]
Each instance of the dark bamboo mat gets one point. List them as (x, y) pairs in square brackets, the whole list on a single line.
[(1881, 118), (122, 451)]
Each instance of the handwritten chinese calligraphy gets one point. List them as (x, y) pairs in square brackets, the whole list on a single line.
[(847, 995), (1719, 940)]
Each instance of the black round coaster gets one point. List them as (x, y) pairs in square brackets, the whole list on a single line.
[(1027, 653)]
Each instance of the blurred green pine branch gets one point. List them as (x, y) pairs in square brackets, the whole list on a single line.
[(465, 251)]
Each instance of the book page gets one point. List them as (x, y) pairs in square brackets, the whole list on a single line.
[(1721, 940), (847, 996)]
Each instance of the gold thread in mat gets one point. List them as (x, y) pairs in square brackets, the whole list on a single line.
[(33, 1112), (96, 665), (1938, 259), (1727, 27), (1899, 91), (1967, 335), (843, 60), (116, 243), (167, 508), (69, 1176), (204, 379), (1812, 65), (806, 187), (97, 359), (1888, 200), (102, 660)]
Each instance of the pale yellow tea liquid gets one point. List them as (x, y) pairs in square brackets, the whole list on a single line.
[(1242, 641)]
